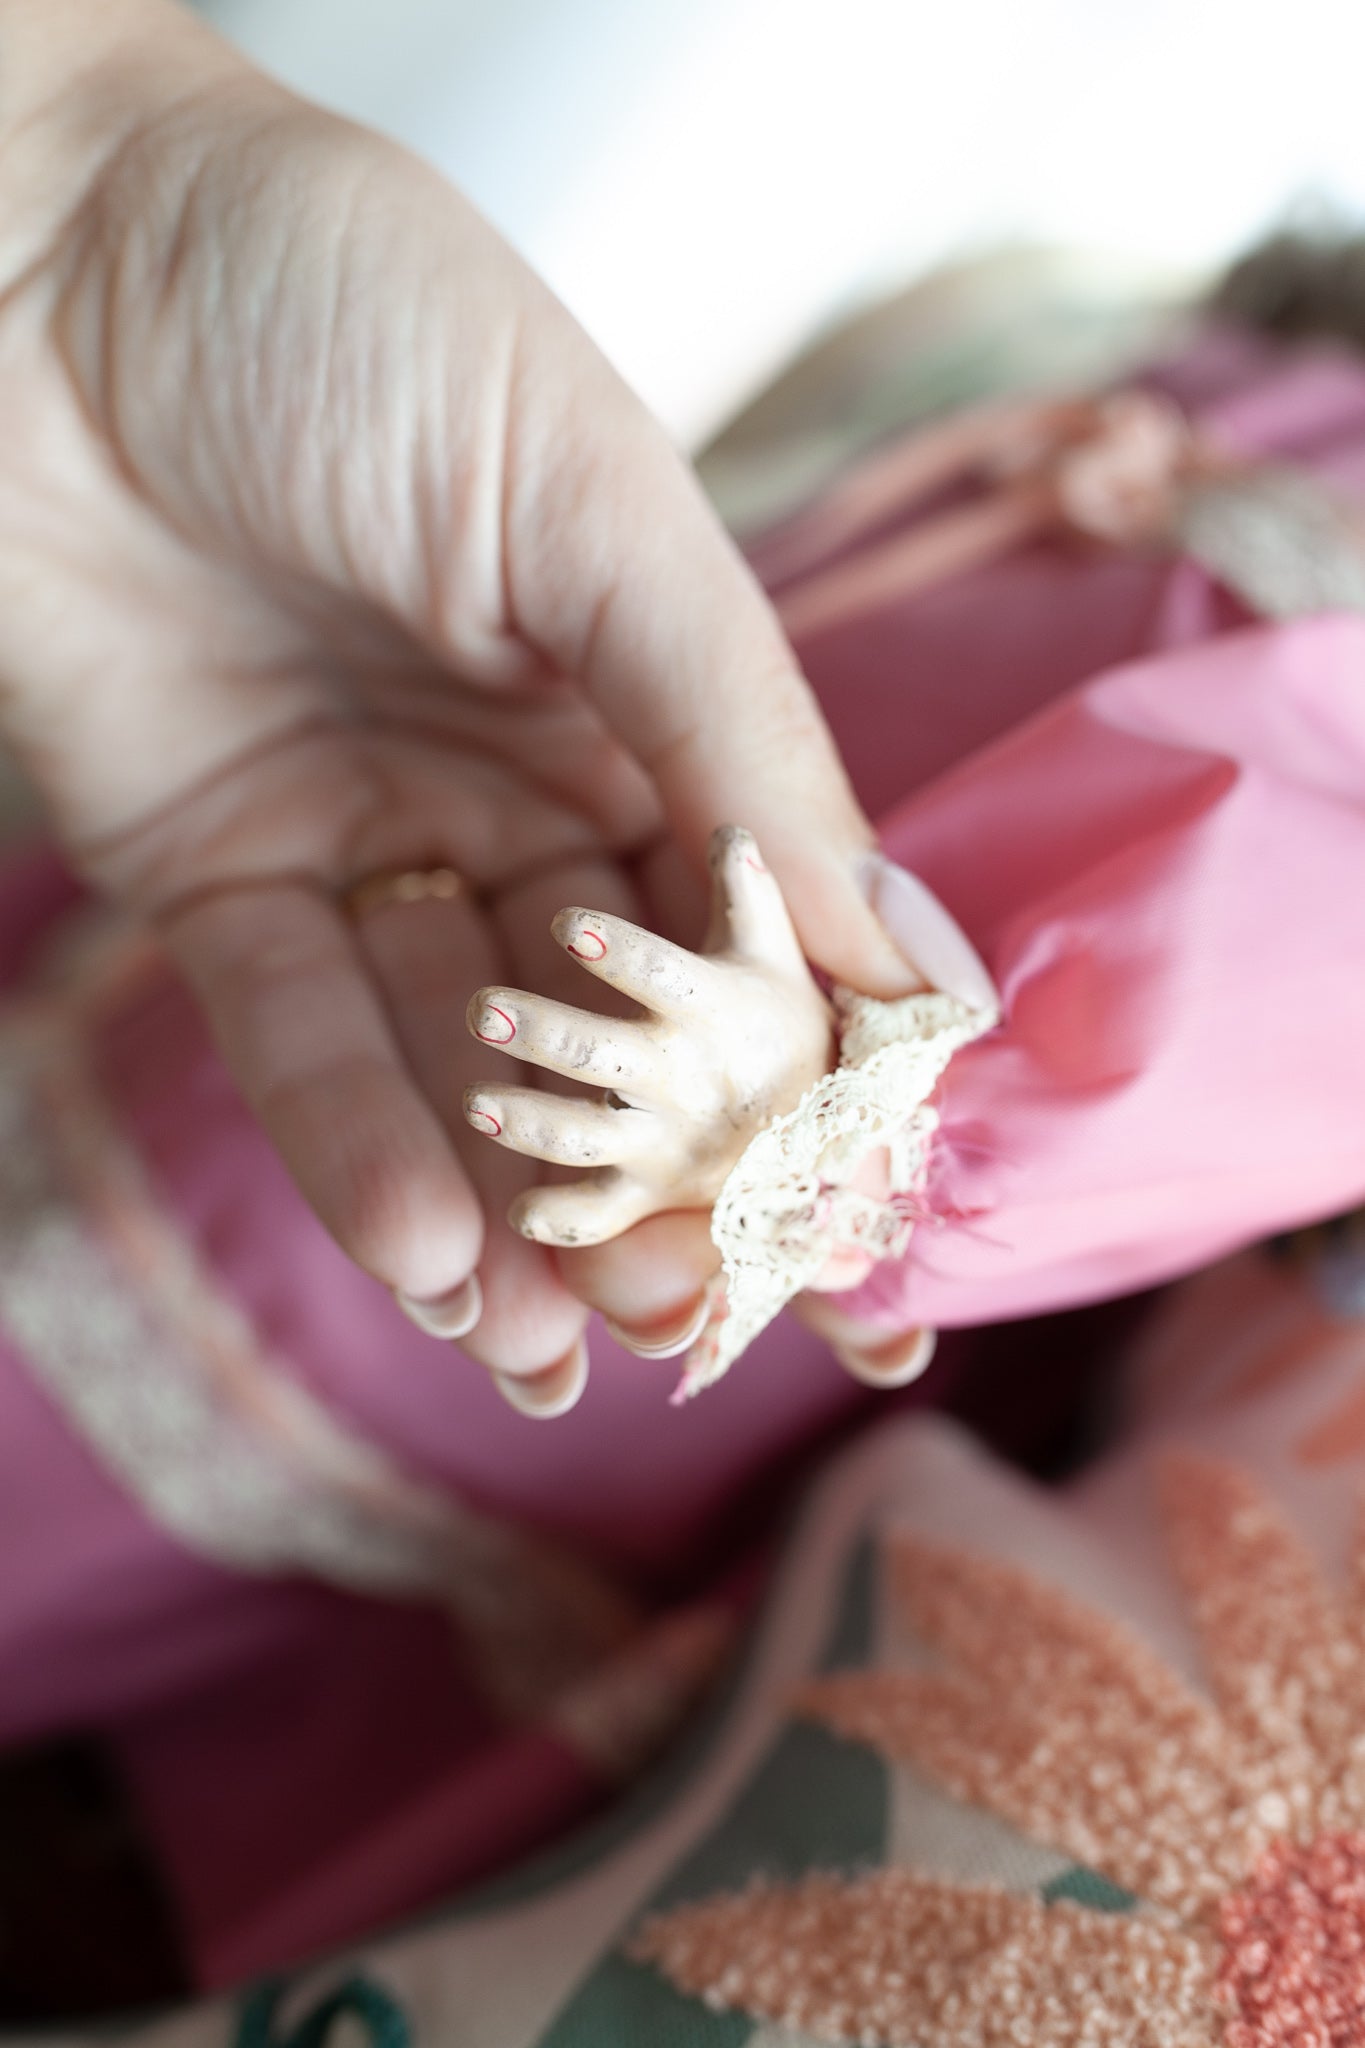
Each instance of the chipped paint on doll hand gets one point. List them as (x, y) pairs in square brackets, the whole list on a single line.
[(728, 1039)]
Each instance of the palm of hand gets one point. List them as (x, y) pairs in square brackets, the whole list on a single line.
[(197, 632), (310, 499)]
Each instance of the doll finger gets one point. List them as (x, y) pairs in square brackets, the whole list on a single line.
[(560, 1129), (527, 914), (582, 1211), (601, 1052), (661, 1262), (749, 913), (649, 970)]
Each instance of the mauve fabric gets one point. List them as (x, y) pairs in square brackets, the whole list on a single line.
[(1149, 815)]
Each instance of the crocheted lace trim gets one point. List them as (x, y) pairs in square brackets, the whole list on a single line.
[(787, 1206)]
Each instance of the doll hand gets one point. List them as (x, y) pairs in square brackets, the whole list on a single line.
[(729, 1039)]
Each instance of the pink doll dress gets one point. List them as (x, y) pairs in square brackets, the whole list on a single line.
[(358, 1633)]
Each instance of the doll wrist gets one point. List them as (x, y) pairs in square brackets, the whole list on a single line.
[(793, 1198)]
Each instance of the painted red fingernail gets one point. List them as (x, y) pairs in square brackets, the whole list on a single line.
[(484, 1120), (597, 940), (491, 1010)]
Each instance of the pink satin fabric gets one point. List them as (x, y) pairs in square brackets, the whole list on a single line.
[(1165, 875), (1162, 869), (1147, 812)]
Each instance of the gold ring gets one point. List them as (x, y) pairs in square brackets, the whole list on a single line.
[(404, 885)]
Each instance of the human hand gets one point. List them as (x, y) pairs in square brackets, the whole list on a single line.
[(328, 543)]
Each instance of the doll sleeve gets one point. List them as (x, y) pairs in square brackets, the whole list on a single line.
[(1165, 873)]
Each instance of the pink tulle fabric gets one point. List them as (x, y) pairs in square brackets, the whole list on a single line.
[(1148, 813)]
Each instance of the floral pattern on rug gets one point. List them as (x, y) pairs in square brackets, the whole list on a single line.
[(1233, 1820)]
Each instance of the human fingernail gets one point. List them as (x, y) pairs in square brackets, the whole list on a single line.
[(667, 1336), (926, 933), (890, 1365), (451, 1315), (544, 1395)]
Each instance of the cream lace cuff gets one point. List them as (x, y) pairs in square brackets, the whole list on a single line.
[(787, 1205)]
